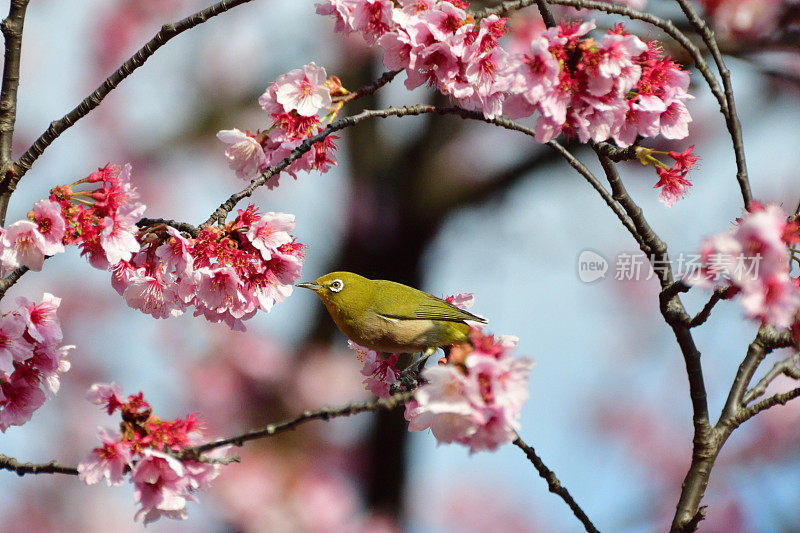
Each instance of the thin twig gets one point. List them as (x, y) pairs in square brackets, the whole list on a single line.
[(554, 485), (326, 413), (385, 78), (702, 316), (767, 339), (787, 367), (53, 467), (575, 163), (8, 281), (731, 117), (167, 32), (778, 399), (177, 224), (12, 33)]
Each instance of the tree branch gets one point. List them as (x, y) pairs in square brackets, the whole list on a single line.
[(554, 485), (788, 367), (12, 33), (702, 316), (325, 413), (731, 117), (167, 32), (767, 339), (9, 463), (751, 411)]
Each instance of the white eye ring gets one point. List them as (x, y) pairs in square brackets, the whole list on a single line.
[(336, 285)]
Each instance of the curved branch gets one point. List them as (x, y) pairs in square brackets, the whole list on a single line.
[(53, 467), (731, 117), (167, 32), (554, 485), (767, 340), (12, 33), (701, 317), (325, 413), (787, 367), (779, 399)]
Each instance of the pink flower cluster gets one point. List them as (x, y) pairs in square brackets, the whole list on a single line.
[(293, 102), (380, 371), (674, 180), (476, 398), (162, 483), (753, 259), (101, 221), (616, 87), (31, 358), (226, 273)]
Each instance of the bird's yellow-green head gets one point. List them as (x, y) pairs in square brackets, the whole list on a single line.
[(388, 316), (343, 293)]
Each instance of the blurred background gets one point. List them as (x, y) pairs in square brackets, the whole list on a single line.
[(436, 202)]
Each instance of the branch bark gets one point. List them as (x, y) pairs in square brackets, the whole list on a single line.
[(554, 485), (11, 27)]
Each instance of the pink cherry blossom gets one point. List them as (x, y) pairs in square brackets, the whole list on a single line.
[(51, 225), (13, 347), (153, 296), (270, 232), (160, 487), (109, 461), (118, 238), (107, 394), (342, 10), (21, 398), (43, 324), (26, 246), (753, 257), (175, 253), (476, 402), (245, 154), (51, 361), (380, 372), (303, 90)]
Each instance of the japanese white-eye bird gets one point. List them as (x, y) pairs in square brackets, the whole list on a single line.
[(386, 316)]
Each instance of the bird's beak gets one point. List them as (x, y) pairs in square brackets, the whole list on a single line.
[(313, 286)]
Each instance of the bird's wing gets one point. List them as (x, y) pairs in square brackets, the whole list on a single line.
[(434, 309)]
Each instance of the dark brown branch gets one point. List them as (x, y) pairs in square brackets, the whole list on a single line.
[(702, 316), (8, 281), (325, 413), (554, 485), (53, 467), (778, 399), (167, 32), (767, 340), (12, 33), (547, 15), (731, 117), (177, 224), (385, 78), (575, 163), (788, 367)]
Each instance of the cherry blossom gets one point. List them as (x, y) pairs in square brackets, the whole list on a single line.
[(474, 398), (140, 450), (753, 258), (31, 358)]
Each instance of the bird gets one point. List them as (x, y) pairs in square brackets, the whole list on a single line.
[(390, 317)]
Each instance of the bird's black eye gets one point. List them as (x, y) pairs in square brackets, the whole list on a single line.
[(336, 285)]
